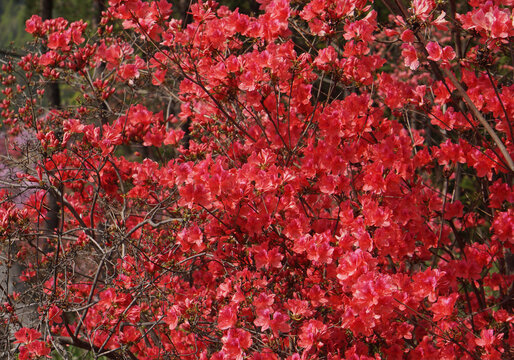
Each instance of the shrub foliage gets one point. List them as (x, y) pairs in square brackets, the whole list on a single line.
[(314, 181)]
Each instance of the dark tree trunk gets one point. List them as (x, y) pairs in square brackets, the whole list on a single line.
[(46, 8), (53, 94), (98, 8)]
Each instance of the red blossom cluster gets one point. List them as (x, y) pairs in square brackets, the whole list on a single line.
[(317, 181)]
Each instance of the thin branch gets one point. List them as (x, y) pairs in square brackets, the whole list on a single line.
[(480, 118)]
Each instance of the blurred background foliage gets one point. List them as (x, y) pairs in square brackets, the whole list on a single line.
[(12, 19), (71, 10)]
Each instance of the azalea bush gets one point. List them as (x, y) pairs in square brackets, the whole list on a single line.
[(321, 180)]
